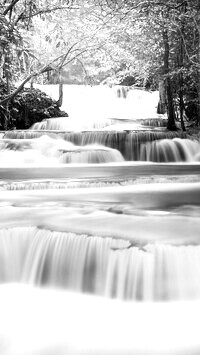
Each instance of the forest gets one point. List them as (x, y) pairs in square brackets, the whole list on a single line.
[(153, 44)]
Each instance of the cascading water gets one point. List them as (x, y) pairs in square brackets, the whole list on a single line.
[(159, 122), (174, 150), (65, 124), (132, 145), (86, 213), (102, 266), (45, 150)]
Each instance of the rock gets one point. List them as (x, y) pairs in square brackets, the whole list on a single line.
[(28, 107)]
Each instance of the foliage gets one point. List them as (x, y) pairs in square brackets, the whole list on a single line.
[(27, 107), (170, 44), (106, 41)]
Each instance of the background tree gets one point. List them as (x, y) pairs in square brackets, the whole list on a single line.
[(150, 43)]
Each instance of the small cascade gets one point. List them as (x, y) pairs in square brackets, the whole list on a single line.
[(115, 140), (52, 124), (136, 140), (67, 124), (29, 134), (46, 150), (155, 146), (72, 184), (129, 144), (91, 155), (154, 122), (171, 150), (101, 266)]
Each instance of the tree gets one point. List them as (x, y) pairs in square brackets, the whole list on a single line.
[(16, 20), (172, 29), (157, 42)]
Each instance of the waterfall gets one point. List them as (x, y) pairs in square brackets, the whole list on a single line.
[(65, 124), (95, 146), (46, 150), (174, 150), (101, 266), (136, 140), (128, 143), (30, 134), (91, 154), (99, 231), (154, 122)]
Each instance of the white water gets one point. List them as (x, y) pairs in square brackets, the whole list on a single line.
[(48, 151), (167, 150), (91, 106), (96, 147), (64, 323), (102, 266), (111, 229)]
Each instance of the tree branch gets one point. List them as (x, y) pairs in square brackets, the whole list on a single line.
[(45, 69), (13, 3), (48, 10)]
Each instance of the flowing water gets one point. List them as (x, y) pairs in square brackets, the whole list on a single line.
[(99, 231)]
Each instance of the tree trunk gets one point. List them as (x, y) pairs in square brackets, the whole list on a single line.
[(181, 107), (32, 83), (162, 98), (198, 84), (181, 82), (7, 72), (170, 107), (169, 92), (181, 64), (197, 23), (60, 100)]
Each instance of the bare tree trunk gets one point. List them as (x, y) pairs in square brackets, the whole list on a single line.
[(32, 83), (181, 107), (60, 100), (169, 92), (181, 81), (162, 98), (7, 73), (198, 78), (181, 65)]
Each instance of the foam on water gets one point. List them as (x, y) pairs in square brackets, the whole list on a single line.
[(47, 151), (140, 146), (48, 322), (88, 183)]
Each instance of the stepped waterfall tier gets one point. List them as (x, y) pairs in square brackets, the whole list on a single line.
[(101, 266), (99, 231), (133, 146)]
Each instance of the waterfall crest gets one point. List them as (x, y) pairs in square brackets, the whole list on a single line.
[(65, 124)]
